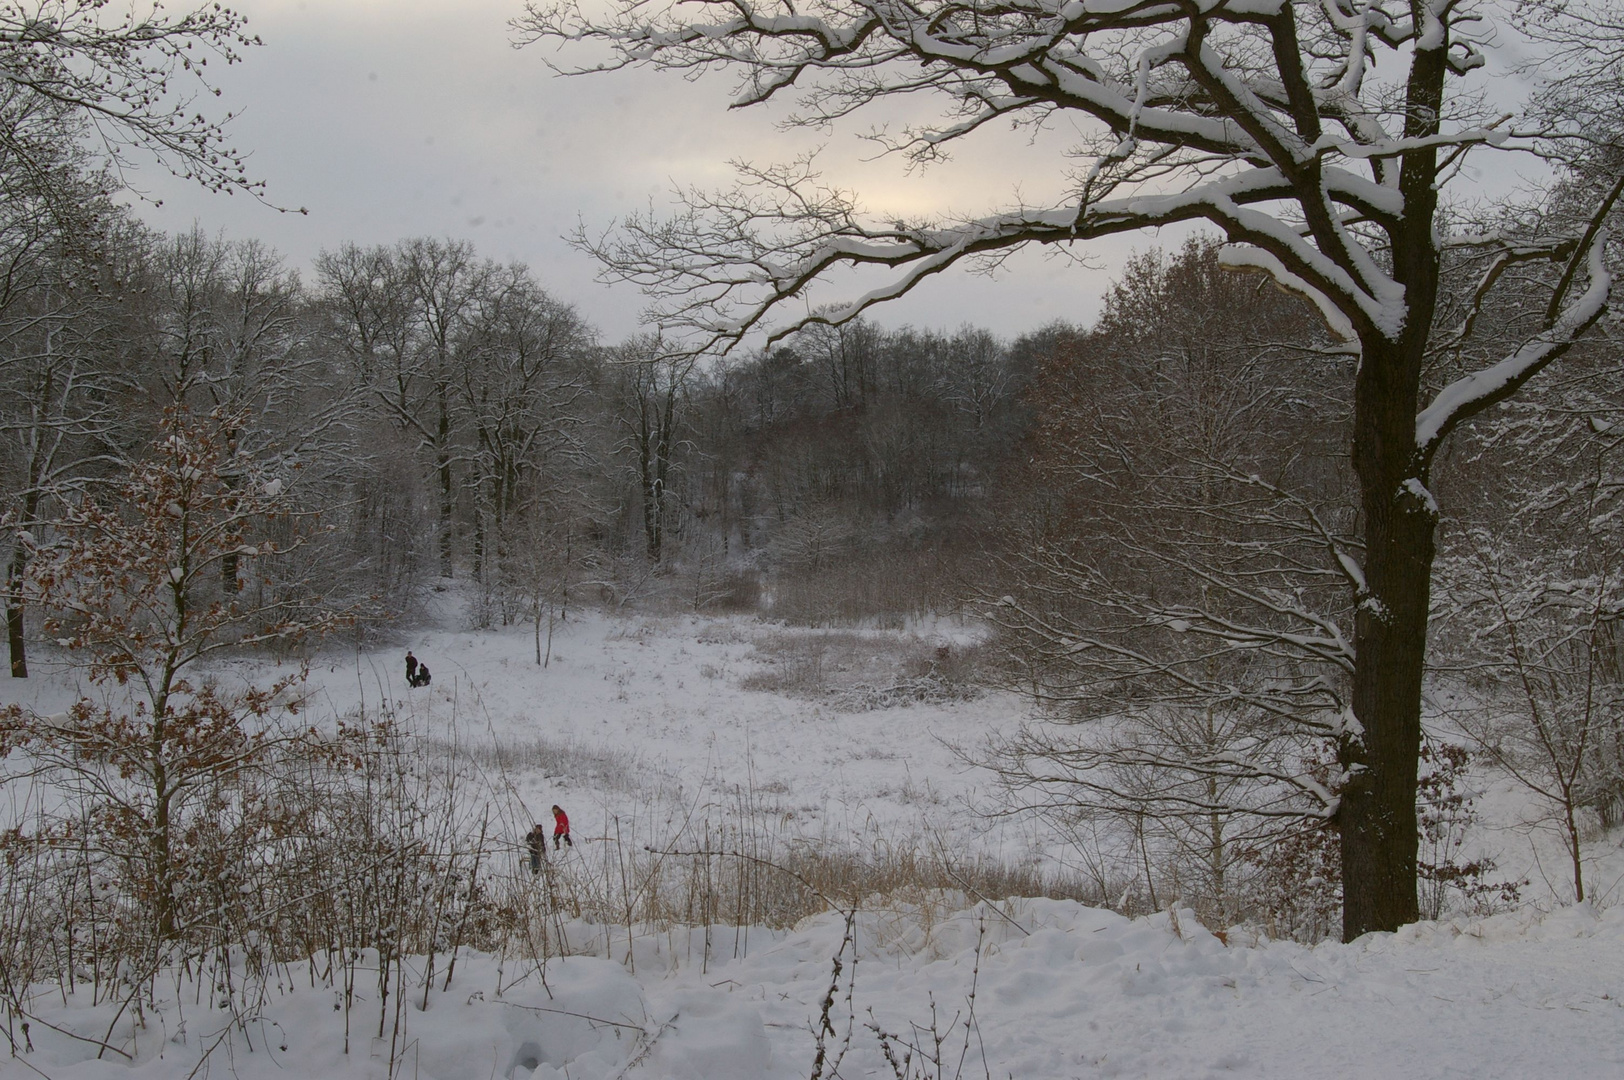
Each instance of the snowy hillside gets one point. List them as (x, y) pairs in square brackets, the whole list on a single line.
[(644, 718), (1060, 991)]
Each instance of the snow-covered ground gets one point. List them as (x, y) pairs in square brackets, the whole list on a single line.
[(650, 713), (639, 716), (1061, 991), (665, 693)]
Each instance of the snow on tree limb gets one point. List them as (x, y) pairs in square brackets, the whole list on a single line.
[(1471, 394), (1174, 86), (1241, 257), (718, 270)]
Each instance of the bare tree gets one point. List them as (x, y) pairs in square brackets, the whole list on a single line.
[(444, 281), (846, 353), (405, 318), (1529, 611), (1545, 701), (1584, 40), (58, 377), (652, 384), (523, 398), (977, 379), (70, 70), (58, 426), (1271, 121), (226, 334), (51, 208), (132, 588), (364, 322), (1172, 595), (134, 79)]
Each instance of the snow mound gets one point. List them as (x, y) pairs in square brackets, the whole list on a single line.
[(1029, 988)]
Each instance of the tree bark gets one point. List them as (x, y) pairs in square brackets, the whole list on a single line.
[(230, 563), (15, 575), (1377, 815), (442, 462), (649, 478), (14, 613)]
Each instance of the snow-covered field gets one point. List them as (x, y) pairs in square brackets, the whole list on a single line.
[(642, 717), (651, 712)]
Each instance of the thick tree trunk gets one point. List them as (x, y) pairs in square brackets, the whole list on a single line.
[(1377, 817)]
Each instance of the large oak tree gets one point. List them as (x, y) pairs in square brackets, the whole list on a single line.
[(1321, 137)]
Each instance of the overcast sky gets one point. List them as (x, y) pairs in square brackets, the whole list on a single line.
[(396, 118)]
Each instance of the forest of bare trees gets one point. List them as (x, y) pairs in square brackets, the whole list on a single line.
[(429, 420), (1301, 485), (454, 423)]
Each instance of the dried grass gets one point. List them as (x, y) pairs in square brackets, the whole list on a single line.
[(857, 671)]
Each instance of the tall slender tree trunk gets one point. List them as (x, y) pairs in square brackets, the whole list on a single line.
[(645, 482), (16, 574), (160, 846), (498, 532), (163, 870), (1575, 854), (442, 452), (648, 440), (14, 611), (662, 460), (229, 562)]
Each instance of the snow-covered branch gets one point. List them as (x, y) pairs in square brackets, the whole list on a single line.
[(1173, 91), (1472, 394)]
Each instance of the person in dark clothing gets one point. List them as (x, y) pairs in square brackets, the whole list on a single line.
[(411, 669), (536, 840), (422, 675), (561, 827)]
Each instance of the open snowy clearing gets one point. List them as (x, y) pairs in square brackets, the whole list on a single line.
[(636, 723), (634, 717), (644, 720)]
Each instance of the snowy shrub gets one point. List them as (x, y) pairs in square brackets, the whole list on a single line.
[(607, 768), (1298, 888), (1298, 884), (1445, 810)]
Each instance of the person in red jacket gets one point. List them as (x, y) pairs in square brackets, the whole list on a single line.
[(561, 827)]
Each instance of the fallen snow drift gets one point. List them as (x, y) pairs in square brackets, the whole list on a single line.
[(1060, 990)]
